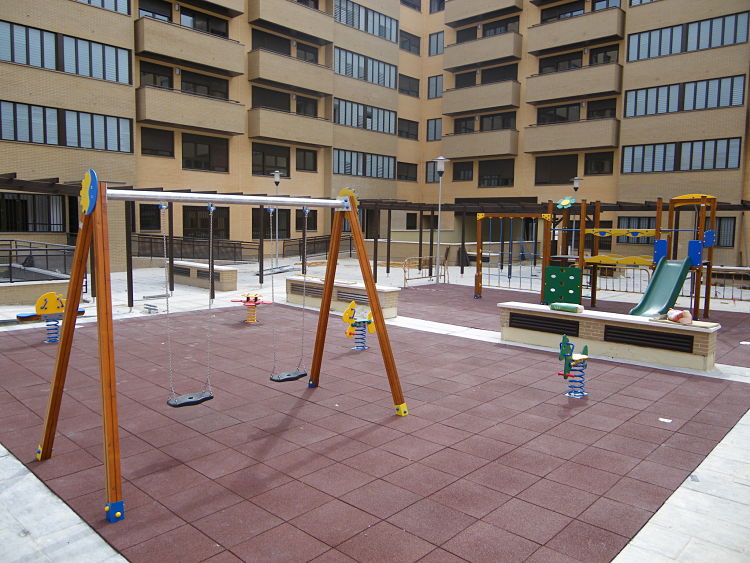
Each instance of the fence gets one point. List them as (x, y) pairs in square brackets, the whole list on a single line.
[(316, 245), (26, 260), (186, 248)]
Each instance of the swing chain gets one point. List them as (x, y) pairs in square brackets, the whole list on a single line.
[(172, 393), (305, 211), (211, 316), (272, 211)]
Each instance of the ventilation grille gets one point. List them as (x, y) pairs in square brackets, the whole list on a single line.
[(360, 298), (649, 338), (181, 271), (309, 291), (203, 274), (544, 324)]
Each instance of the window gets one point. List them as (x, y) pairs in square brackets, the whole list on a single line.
[(500, 26), (354, 163), (156, 75), (434, 129), (271, 42), (31, 213), (601, 109), (195, 222), (269, 231), (437, 6), (437, 43), (367, 20), (466, 79), (360, 67), (598, 163), (307, 106), (496, 173), (413, 4), (312, 219), (205, 153), (463, 125), (636, 223), (411, 221), (408, 42), (430, 172), (408, 85), (203, 22), (558, 114), (463, 171), (272, 99), (307, 160), (466, 34), (269, 158), (603, 55), (604, 4), (714, 154), (559, 63), (307, 53), (150, 216), (556, 169), (725, 227), (562, 12), (689, 96), (435, 86), (639, 2), (499, 74), (309, 3), (363, 116), (157, 9), (121, 6), (28, 46), (406, 171), (408, 129), (157, 142), (695, 36), (203, 85), (497, 121)]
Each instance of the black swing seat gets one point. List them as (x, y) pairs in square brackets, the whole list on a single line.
[(190, 399), (293, 375)]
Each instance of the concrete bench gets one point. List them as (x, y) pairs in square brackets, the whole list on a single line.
[(344, 292), (196, 274), (622, 337)]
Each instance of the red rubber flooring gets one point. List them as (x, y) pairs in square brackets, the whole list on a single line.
[(493, 463)]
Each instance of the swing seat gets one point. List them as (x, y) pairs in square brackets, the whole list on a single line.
[(293, 375), (190, 399)]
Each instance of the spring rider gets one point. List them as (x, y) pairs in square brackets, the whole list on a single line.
[(50, 307), (358, 326), (251, 301), (574, 368)]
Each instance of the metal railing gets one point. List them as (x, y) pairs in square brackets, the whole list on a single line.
[(186, 248), (28, 260), (316, 246)]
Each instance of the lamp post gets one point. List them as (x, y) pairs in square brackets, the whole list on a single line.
[(440, 169)]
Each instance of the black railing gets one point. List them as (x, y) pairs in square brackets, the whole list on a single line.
[(315, 245), (28, 260), (194, 248)]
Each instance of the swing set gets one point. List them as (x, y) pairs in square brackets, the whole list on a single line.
[(93, 233)]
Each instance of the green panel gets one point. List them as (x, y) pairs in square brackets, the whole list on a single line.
[(562, 285)]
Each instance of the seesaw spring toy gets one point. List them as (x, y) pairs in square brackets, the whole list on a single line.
[(358, 326), (49, 308), (251, 301), (574, 368)]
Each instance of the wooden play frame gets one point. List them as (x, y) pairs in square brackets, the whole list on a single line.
[(94, 232)]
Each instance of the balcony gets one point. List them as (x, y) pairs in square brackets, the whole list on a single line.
[(305, 22), (485, 96), (460, 12), (275, 125), (160, 106), (274, 68), (575, 135), (481, 143), (495, 48), (181, 45), (576, 31), (587, 81), (715, 123), (229, 8)]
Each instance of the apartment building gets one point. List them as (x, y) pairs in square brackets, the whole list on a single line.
[(639, 98)]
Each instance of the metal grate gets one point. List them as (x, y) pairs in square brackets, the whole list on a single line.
[(649, 338), (203, 274), (360, 298), (544, 324), (310, 290), (181, 271)]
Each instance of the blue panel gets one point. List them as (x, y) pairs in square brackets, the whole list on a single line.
[(660, 250), (695, 252), (709, 238)]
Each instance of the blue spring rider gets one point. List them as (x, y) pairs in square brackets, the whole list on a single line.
[(358, 326), (574, 368)]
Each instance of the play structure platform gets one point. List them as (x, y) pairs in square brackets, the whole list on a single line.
[(622, 337), (344, 292)]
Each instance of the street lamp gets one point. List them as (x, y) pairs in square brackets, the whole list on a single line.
[(276, 180), (440, 169)]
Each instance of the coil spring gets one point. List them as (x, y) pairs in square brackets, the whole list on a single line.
[(252, 317), (360, 336), (53, 328), (577, 380)]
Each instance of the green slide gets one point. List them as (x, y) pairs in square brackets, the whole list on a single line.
[(664, 288)]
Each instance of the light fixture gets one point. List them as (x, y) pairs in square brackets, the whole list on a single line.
[(576, 183), (440, 164), (276, 177), (440, 169)]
